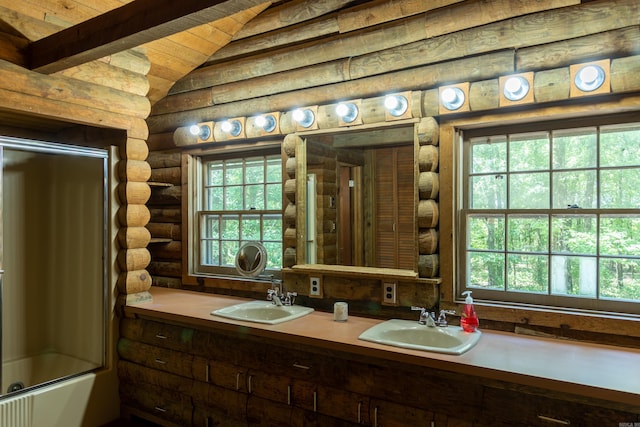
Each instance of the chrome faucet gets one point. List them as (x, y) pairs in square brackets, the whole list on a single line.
[(442, 318), (277, 295), (272, 295), (426, 318)]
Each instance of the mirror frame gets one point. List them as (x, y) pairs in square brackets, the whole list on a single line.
[(301, 193), (261, 261)]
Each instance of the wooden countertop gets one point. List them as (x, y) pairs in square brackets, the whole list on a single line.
[(589, 370)]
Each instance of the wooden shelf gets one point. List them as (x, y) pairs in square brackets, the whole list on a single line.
[(160, 240), (159, 184), (349, 270)]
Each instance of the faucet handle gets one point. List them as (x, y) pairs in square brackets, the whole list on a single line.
[(442, 318), (420, 309)]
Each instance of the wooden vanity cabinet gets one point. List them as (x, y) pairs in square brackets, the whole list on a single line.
[(175, 375)]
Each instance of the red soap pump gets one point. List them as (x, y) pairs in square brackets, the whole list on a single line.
[(469, 319)]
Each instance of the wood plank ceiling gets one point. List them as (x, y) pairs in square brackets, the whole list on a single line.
[(171, 57)]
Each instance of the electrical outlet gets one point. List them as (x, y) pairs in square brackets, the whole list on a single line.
[(315, 287), (389, 293)]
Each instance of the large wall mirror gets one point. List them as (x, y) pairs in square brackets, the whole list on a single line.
[(357, 205)]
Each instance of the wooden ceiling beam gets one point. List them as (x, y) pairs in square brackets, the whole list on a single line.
[(133, 24)]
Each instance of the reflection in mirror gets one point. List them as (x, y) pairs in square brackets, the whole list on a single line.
[(360, 199), (251, 259)]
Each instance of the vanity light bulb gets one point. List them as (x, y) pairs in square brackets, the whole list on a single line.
[(516, 88), (232, 127), (452, 98), (589, 78), (391, 102), (396, 105), (267, 123), (298, 115), (304, 117), (589, 74), (449, 95), (203, 132), (347, 111), (513, 84)]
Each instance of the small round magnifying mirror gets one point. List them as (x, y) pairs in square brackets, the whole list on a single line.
[(251, 259)]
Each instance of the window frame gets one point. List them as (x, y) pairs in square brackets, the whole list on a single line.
[(461, 136), (197, 178)]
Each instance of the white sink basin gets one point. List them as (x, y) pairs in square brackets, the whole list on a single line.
[(262, 312), (410, 334)]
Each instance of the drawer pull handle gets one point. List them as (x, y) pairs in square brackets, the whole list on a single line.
[(315, 401), (289, 395), (159, 409), (375, 417), (297, 365), (359, 412), (161, 362), (206, 373), (161, 336), (554, 420), (249, 384), (238, 381)]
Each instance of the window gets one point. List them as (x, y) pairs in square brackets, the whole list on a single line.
[(239, 201), (552, 216)]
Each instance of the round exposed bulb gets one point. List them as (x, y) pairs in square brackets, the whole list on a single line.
[(194, 130), (452, 98), (589, 74), (589, 78), (267, 123), (396, 105), (347, 111), (261, 121), (304, 117), (515, 88), (232, 127)]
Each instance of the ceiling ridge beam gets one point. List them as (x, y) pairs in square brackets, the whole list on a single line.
[(131, 25)]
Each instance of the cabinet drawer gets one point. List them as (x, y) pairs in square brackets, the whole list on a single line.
[(388, 414), (170, 405), (228, 376), (508, 407), (222, 401), (132, 373), (159, 334), (262, 412), (343, 404), (291, 361), (208, 417), (154, 357), (273, 387)]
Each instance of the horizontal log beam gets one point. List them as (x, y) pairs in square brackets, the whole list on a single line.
[(410, 42), (133, 24), (71, 91), (487, 66)]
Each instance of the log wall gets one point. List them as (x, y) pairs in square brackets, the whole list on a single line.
[(400, 50), (85, 110)]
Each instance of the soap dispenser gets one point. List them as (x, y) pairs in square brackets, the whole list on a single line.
[(469, 319)]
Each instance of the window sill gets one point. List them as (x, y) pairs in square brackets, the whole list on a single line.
[(600, 327)]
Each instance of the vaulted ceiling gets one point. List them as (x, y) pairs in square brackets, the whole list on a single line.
[(177, 36)]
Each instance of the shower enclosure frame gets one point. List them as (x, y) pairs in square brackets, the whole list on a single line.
[(45, 147)]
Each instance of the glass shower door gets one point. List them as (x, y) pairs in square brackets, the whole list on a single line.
[(53, 252)]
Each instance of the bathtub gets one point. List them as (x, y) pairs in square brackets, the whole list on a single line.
[(59, 391), (41, 369)]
